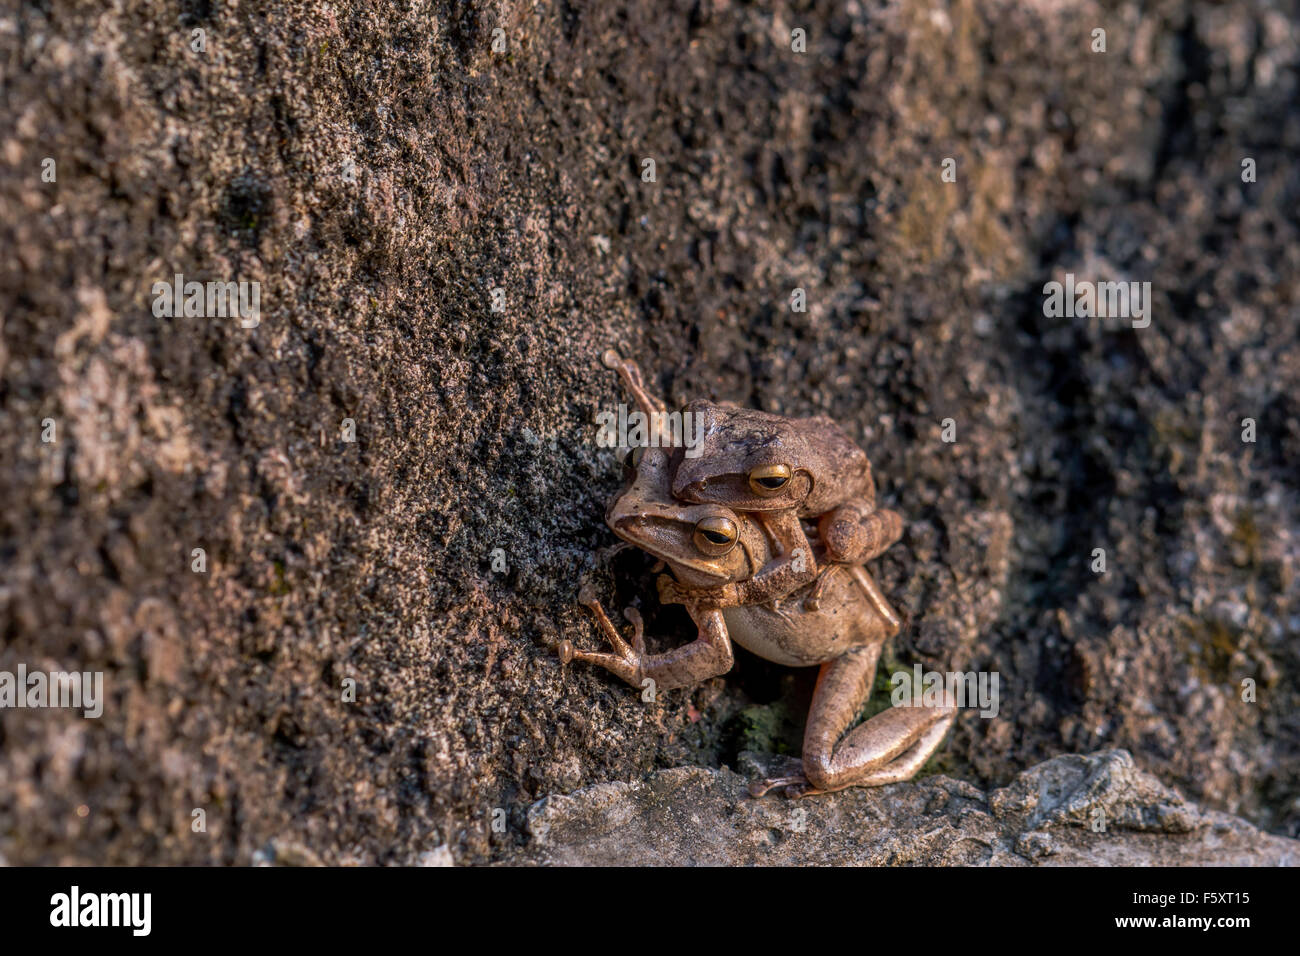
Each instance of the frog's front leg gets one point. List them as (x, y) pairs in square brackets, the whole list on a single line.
[(889, 748), (709, 655), (853, 533), (856, 532)]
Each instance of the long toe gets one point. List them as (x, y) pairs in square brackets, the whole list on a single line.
[(762, 787)]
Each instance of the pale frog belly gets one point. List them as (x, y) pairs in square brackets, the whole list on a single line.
[(790, 635)]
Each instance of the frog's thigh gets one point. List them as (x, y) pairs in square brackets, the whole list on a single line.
[(863, 757)]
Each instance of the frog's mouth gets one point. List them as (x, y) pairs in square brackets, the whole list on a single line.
[(667, 532), (669, 539)]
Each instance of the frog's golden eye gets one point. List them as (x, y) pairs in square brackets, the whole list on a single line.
[(715, 536), (768, 480)]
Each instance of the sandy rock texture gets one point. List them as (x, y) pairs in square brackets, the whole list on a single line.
[(380, 170), (1098, 810)]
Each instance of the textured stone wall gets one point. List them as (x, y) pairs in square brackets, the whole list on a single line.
[(379, 170)]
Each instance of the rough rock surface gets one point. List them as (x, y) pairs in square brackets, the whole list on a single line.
[(380, 170), (1098, 810)]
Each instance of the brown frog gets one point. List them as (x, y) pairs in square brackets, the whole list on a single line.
[(707, 546), (779, 470)]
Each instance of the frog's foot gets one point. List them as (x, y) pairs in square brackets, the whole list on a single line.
[(626, 660), (630, 373), (795, 786), (761, 788), (889, 747)]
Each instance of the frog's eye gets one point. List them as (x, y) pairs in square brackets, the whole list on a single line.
[(768, 480), (715, 536)]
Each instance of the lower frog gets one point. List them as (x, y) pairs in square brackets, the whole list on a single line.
[(708, 546)]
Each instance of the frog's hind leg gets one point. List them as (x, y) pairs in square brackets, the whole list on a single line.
[(888, 748), (842, 685), (905, 765)]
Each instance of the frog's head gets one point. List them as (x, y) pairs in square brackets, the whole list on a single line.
[(705, 544), (755, 461)]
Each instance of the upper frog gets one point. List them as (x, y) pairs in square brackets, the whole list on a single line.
[(756, 461)]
